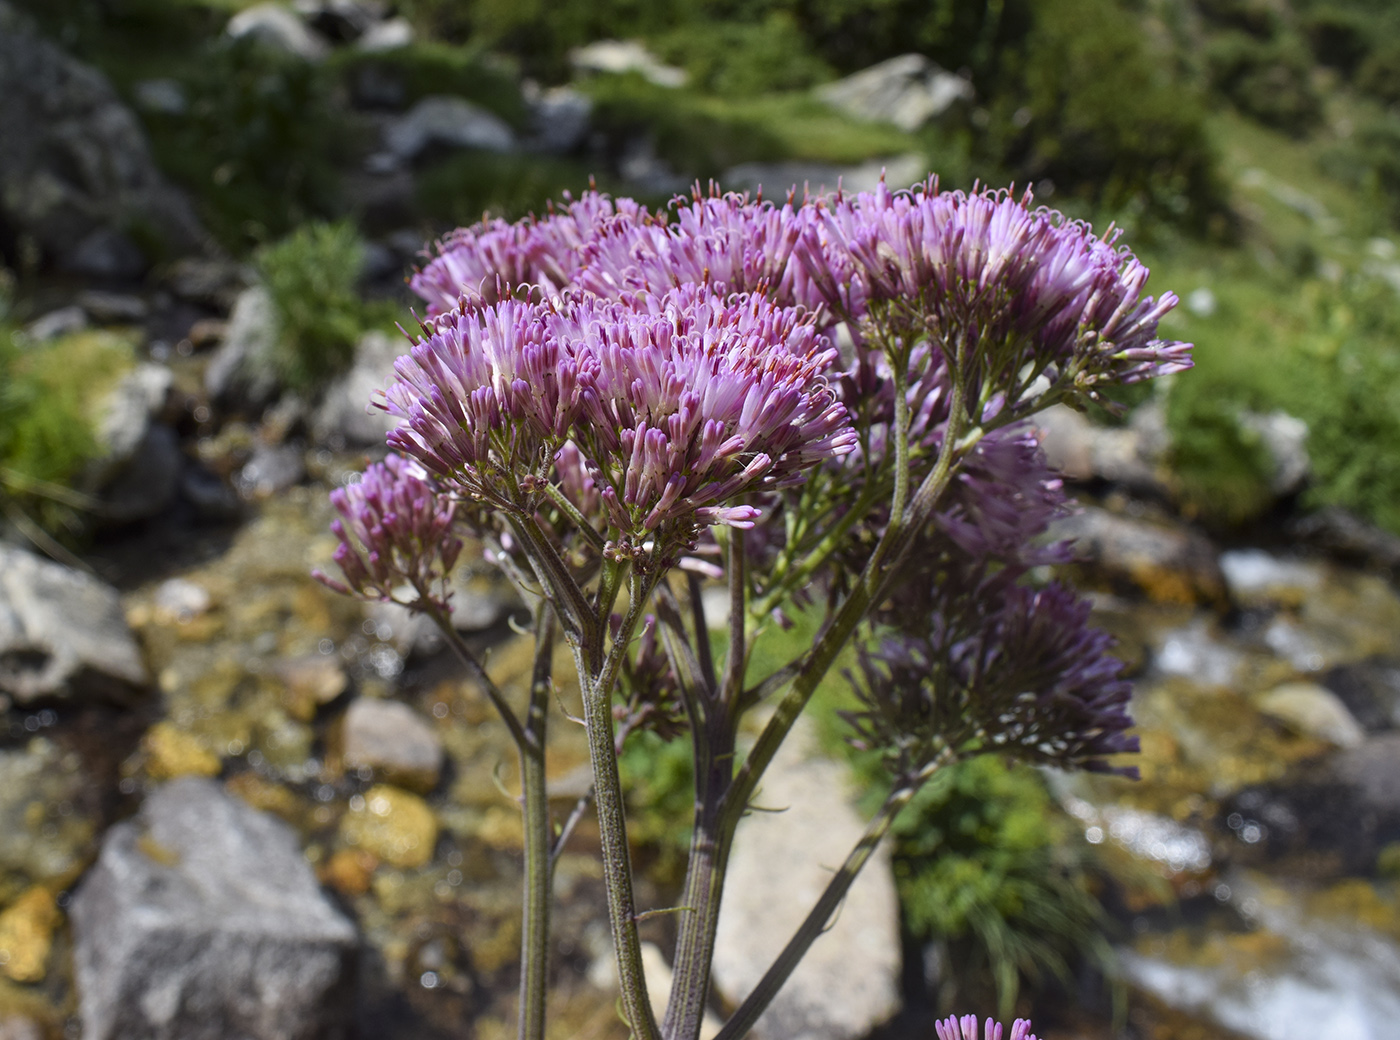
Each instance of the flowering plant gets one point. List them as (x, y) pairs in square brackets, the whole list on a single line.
[(821, 401)]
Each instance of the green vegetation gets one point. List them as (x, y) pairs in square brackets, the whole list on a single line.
[(313, 276)]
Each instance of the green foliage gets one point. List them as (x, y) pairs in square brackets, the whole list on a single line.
[(1379, 74), (1269, 80), (428, 67), (1340, 37), (312, 276), (1370, 161), (659, 778), (458, 189), (738, 59), (985, 859), (1222, 467), (259, 145)]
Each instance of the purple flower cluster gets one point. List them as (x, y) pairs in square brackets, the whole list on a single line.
[(395, 530), (664, 408), (965, 1028), (1017, 293)]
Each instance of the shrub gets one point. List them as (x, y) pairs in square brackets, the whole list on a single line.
[(1267, 80), (1379, 74), (738, 59), (1222, 468), (458, 189), (428, 67), (312, 276), (1341, 38)]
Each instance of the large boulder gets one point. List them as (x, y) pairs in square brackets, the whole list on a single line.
[(345, 418), (445, 121), (277, 28), (202, 920), (908, 91), (75, 169), (62, 633), (849, 981), (1171, 563)]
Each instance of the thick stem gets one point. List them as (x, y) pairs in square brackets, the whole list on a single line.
[(612, 821), (534, 946)]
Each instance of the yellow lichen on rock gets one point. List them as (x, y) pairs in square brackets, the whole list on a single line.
[(393, 825), (26, 934), (172, 752)]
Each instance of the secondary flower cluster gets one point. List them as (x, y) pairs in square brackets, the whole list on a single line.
[(965, 1028), (395, 530), (673, 405)]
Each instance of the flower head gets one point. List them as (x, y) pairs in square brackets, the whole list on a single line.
[(394, 530), (965, 1028)]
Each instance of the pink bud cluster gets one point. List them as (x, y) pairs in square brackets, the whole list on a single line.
[(965, 1028), (394, 530)]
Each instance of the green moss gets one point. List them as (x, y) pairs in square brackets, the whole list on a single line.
[(739, 59), (430, 67), (458, 189)]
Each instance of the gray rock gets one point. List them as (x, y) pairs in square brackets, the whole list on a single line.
[(52, 840), (1132, 455), (646, 171), (448, 122), (1346, 534), (849, 981), (109, 308), (163, 96), (622, 56), (388, 35), (234, 371), (1313, 711), (62, 633), (559, 119), (149, 481), (777, 179), (126, 411), (344, 418), (202, 920), (340, 20), (1257, 578), (393, 740), (180, 599), (1171, 564), (139, 470), (56, 324), (277, 28), (1285, 440), (909, 91), (211, 498), (272, 469), (1370, 689), (76, 166), (209, 282), (19, 1027)]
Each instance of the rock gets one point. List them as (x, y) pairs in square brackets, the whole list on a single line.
[(179, 600), (149, 481), (392, 825), (1170, 564), (646, 171), (1196, 652), (1130, 455), (345, 418), (275, 27), (393, 740), (1256, 578), (1338, 531), (1370, 689), (622, 56), (1313, 711), (340, 20), (310, 682), (234, 372), (43, 838), (211, 498), (777, 179), (388, 35), (126, 411), (19, 1027), (109, 308), (138, 473), (1373, 768), (447, 122), (55, 324), (559, 119), (1285, 440), (76, 167), (171, 752), (162, 96), (62, 633), (208, 282), (26, 934), (272, 469), (909, 91), (202, 919), (849, 981)]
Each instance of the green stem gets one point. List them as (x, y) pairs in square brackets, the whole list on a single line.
[(518, 733), (736, 655), (612, 821), (534, 946)]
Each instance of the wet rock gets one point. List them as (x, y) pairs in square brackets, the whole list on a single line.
[(126, 411), (109, 308), (311, 682), (275, 27), (43, 836), (1347, 535), (236, 370), (62, 633), (559, 119), (622, 56), (1131, 456), (179, 599), (202, 919), (849, 981), (1296, 974), (394, 741), (447, 122), (55, 324), (388, 35), (1314, 711), (392, 825), (345, 418), (1256, 578), (26, 935), (1170, 564), (272, 469), (76, 167), (149, 481), (1370, 689), (909, 91), (777, 179), (211, 498), (139, 471), (1148, 836), (172, 753), (19, 1027)]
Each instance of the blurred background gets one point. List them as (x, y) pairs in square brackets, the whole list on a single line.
[(207, 212)]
